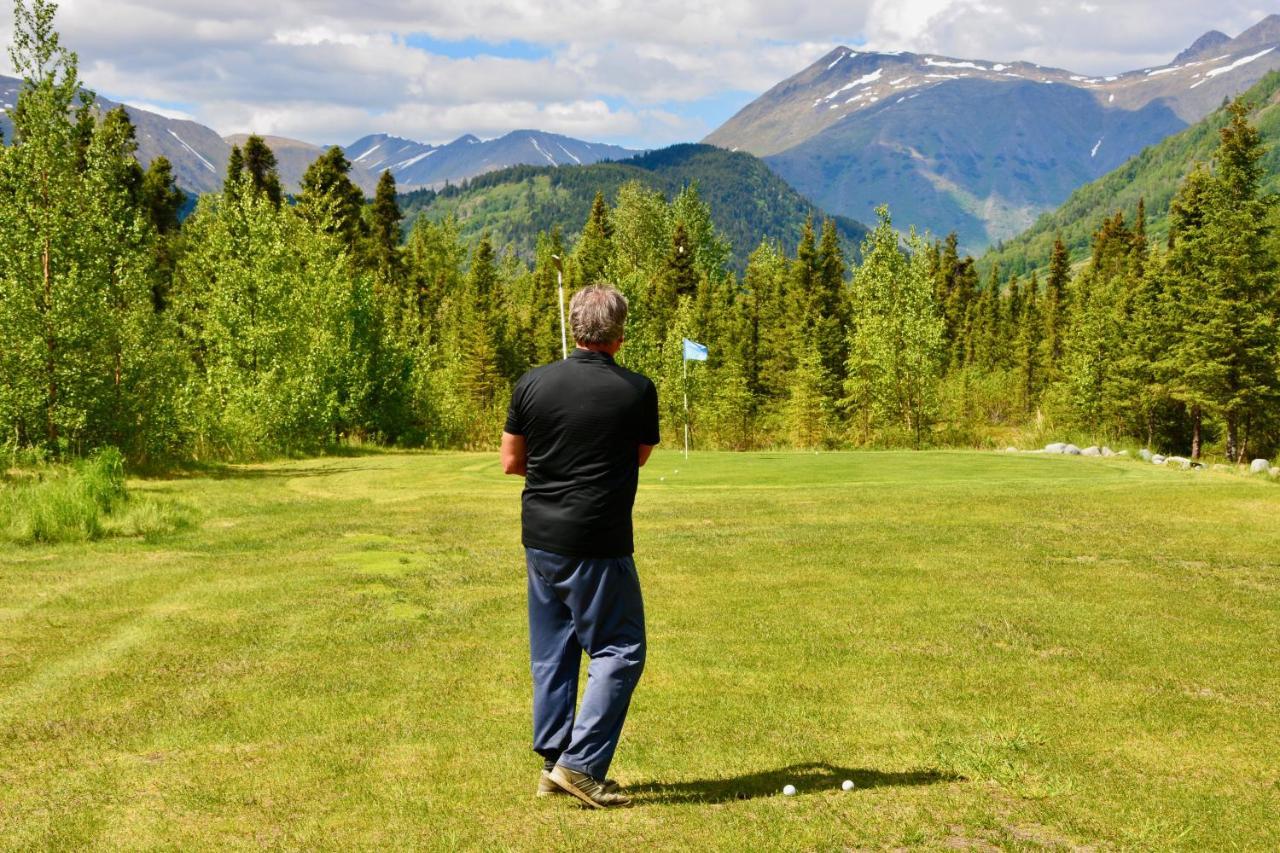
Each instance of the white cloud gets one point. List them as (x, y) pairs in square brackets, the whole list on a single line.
[(330, 70)]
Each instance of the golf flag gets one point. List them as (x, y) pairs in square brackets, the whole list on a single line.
[(694, 351)]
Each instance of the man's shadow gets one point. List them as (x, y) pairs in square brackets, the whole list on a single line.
[(808, 778)]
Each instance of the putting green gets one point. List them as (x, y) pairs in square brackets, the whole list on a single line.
[(999, 650)]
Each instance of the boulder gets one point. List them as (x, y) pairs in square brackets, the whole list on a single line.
[(1259, 466), (1157, 459), (1091, 451), (1181, 461), (1011, 450), (1071, 450), (1108, 452), (1145, 454), (1056, 447)]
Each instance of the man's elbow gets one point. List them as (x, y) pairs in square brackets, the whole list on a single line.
[(512, 466)]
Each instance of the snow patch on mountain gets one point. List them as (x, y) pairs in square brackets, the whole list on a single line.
[(198, 155), (939, 63)]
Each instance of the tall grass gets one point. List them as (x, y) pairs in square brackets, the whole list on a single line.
[(77, 502)]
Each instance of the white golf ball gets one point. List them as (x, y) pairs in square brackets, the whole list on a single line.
[(789, 790), (662, 479), (846, 785)]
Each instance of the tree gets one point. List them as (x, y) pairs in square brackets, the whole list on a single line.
[(329, 200), (384, 232), (1223, 284), (260, 166), (1055, 306), (896, 335), (595, 247)]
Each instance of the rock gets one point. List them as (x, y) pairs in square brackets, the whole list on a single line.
[(1157, 459), (1259, 466), (1108, 452), (1123, 453), (1197, 466), (1181, 461), (1071, 450), (1091, 451), (1011, 450), (1145, 454), (1275, 472), (1056, 447)]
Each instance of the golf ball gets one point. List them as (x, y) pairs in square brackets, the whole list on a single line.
[(789, 790), (846, 785)]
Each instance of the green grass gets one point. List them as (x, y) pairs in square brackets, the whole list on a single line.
[(999, 650), (79, 501)]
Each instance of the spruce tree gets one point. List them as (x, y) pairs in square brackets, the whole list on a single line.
[(329, 200), (1055, 306), (235, 172), (260, 166), (384, 233), (595, 246)]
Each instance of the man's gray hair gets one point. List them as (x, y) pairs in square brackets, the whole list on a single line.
[(597, 314)]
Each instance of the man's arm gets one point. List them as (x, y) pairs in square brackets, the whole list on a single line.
[(645, 450), (515, 454)]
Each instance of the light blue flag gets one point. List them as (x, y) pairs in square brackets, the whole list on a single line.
[(694, 351)]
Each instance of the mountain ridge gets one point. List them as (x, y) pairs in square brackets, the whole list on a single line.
[(748, 202), (828, 129)]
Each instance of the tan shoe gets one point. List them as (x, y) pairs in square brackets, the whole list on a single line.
[(596, 793), (548, 788)]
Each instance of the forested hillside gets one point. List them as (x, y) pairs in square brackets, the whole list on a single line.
[(1151, 177), (748, 202)]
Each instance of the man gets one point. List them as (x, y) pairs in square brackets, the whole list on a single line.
[(578, 431)]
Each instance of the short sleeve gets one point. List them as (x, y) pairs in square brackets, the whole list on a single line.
[(649, 416), (515, 420)]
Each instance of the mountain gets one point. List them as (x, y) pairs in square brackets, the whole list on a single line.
[(418, 165), (974, 146), (1153, 176), (199, 155), (748, 202)]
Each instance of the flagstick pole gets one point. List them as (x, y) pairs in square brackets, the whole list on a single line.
[(685, 361), (564, 340)]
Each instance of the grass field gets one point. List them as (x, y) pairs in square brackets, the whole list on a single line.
[(1001, 651)]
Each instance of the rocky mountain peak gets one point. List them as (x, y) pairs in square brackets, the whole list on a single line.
[(1211, 40)]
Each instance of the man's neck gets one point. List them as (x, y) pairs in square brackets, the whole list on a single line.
[(610, 349)]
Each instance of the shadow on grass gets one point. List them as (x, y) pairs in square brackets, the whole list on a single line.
[(808, 778)]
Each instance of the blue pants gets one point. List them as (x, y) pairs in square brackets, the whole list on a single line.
[(579, 604)]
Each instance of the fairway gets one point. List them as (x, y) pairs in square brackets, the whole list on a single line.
[(1006, 651)]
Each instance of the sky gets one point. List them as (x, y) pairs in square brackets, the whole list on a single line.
[(640, 74)]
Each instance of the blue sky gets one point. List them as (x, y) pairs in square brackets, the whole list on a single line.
[(641, 75)]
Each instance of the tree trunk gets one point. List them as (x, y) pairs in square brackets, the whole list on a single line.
[(1233, 443), (1195, 432)]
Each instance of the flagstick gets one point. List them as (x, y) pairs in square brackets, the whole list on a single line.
[(564, 341), (685, 362)]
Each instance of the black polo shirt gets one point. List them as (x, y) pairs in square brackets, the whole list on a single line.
[(582, 420)]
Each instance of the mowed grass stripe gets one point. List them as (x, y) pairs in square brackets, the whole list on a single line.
[(999, 650)]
